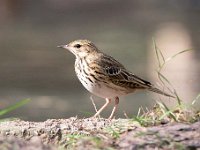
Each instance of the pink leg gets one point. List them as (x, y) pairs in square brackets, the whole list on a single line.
[(114, 108), (103, 107)]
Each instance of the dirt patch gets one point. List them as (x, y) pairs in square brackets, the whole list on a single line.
[(97, 133)]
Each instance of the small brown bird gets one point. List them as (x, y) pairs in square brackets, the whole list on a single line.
[(103, 76)]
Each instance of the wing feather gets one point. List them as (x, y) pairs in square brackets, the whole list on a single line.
[(119, 75)]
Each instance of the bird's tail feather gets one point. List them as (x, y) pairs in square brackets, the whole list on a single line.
[(153, 89)]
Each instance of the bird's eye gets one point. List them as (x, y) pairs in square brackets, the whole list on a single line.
[(77, 45)]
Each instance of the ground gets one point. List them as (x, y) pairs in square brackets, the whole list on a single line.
[(97, 133)]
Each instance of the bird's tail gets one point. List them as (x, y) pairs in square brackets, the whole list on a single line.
[(153, 89)]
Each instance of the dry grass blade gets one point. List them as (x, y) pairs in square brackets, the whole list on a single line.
[(194, 101), (159, 55), (170, 58), (161, 77), (164, 80)]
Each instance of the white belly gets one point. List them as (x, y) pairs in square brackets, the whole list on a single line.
[(97, 88), (102, 90)]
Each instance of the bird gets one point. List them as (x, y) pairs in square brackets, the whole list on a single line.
[(104, 76)]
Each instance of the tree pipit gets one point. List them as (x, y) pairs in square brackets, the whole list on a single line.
[(104, 76)]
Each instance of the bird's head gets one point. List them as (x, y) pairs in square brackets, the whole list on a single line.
[(80, 48)]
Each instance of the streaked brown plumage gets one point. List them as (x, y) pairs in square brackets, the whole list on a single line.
[(103, 76)]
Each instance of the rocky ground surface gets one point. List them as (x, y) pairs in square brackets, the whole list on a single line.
[(96, 133)]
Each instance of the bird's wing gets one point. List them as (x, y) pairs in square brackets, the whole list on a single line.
[(120, 76)]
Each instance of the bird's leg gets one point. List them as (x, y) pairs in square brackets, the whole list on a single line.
[(91, 98), (114, 108), (103, 107)]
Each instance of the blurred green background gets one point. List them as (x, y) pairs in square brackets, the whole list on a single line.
[(31, 66)]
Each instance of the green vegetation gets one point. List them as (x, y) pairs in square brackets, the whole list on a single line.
[(13, 107), (161, 113)]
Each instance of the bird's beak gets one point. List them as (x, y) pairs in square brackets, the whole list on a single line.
[(63, 46)]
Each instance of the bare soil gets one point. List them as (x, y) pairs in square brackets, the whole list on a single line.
[(96, 133)]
